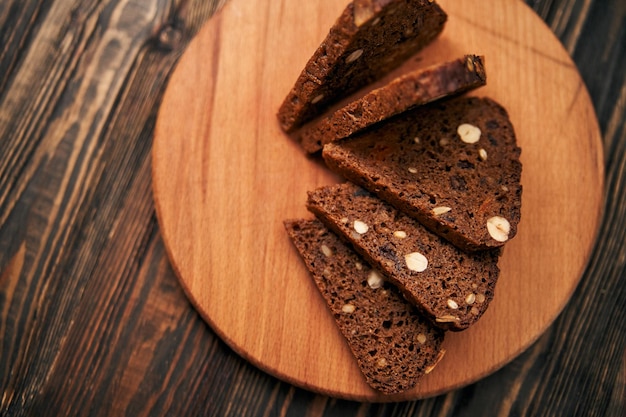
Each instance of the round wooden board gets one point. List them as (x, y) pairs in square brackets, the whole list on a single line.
[(225, 177)]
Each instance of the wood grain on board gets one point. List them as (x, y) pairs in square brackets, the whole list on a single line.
[(225, 177)]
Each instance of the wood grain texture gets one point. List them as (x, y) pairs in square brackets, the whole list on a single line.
[(226, 177), (92, 318)]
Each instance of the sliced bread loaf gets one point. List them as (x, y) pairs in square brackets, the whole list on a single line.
[(413, 89), (450, 287), (368, 40), (391, 342), (453, 165)]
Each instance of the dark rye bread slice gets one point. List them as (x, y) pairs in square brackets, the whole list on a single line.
[(391, 342), (428, 164), (368, 40), (451, 288), (413, 89)]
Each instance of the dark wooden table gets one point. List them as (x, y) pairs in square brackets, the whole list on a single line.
[(92, 318)]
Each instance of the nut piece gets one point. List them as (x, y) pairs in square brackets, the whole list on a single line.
[(354, 235), (400, 234), (452, 304), (363, 11), (468, 133), (382, 362), (375, 280), (480, 298), (413, 170), (447, 319), (415, 261), (499, 228), (358, 266), (348, 308), (470, 298), (430, 368), (421, 338), (317, 99), (327, 251), (360, 227), (354, 56), (440, 210)]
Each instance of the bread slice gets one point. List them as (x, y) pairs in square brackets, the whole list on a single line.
[(368, 40), (413, 89), (391, 342), (453, 166), (450, 287)]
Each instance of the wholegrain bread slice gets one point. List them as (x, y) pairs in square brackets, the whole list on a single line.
[(450, 287), (452, 165), (367, 41), (412, 89), (392, 343)]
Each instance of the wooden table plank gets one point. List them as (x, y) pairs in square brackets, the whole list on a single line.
[(92, 319)]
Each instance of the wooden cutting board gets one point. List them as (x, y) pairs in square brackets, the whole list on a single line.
[(225, 177)]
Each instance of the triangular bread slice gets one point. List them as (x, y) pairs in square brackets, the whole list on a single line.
[(391, 342), (450, 287), (410, 90), (368, 40), (452, 165)]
